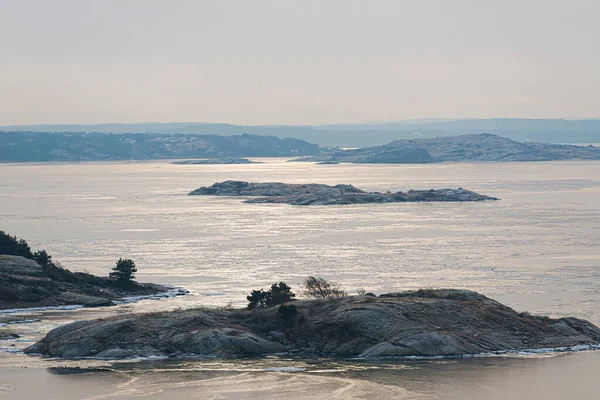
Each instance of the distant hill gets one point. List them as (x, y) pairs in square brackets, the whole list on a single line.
[(360, 135), (464, 148), (40, 146)]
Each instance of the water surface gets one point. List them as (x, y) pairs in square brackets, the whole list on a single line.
[(537, 250)]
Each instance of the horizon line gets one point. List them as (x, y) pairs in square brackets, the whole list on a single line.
[(405, 121)]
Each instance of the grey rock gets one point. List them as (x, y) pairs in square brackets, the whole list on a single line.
[(431, 344), (328, 162), (36, 348), (60, 370), (116, 353), (311, 351), (9, 336), (83, 347), (277, 336), (422, 323), (385, 349), (322, 195), (20, 266)]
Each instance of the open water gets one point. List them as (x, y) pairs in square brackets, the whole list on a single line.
[(537, 250)]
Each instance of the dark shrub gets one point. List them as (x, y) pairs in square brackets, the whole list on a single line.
[(278, 294), (288, 313), (43, 258), (13, 246), (257, 299)]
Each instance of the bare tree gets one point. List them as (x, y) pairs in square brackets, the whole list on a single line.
[(319, 288)]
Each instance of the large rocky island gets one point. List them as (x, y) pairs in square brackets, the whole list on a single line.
[(319, 194), (418, 323)]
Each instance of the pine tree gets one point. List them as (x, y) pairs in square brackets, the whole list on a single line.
[(124, 272)]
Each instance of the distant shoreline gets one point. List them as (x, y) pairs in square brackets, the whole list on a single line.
[(548, 130), (78, 147)]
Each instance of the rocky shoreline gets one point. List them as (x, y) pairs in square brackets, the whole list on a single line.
[(442, 322), (322, 195), (24, 284)]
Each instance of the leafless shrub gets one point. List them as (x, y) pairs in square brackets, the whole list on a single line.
[(226, 307), (361, 291), (368, 299), (319, 288)]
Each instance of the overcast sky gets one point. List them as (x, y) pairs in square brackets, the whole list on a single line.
[(296, 62)]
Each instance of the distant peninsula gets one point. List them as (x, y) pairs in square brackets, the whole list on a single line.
[(65, 147), (441, 322), (325, 195), (466, 148), (234, 149), (363, 135)]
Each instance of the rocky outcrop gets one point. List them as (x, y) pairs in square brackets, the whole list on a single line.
[(421, 323), (8, 335), (26, 284), (375, 155), (223, 160), (328, 162), (323, 195)]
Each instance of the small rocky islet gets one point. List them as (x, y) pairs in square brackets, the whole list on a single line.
[(443, 322), (215, 161), (323, 195)]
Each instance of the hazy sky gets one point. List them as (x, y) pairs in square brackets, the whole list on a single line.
[(296, 62)]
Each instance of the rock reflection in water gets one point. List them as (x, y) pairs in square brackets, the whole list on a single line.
[(548, 377)]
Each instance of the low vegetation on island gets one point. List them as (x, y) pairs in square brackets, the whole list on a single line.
[(33, 279)]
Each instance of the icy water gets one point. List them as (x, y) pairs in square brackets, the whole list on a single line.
[(536, 250)]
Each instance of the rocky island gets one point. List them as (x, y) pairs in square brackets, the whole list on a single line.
[(319, 194), (220, 160), (430, 322)]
